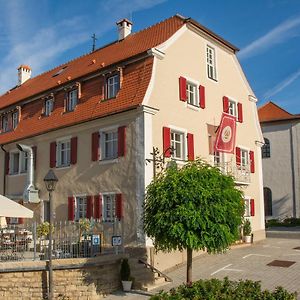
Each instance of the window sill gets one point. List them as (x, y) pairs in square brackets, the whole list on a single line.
[(62, 167), (17, 174), (193, 107), (107, 99), (108, 161), (213, 79)]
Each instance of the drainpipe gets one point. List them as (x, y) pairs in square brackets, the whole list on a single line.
[(4, 173), (30, 174)]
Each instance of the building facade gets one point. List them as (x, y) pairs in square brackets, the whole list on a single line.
[(281, 161), (96, 119)]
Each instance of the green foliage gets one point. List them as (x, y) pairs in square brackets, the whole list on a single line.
[(226, 289), (84, 225), (125, 270), (247, 230), (195, 207), (287, 222), (43, 229)]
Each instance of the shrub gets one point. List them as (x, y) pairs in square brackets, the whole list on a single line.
[(215, 289), (247, 228), (125, 270)]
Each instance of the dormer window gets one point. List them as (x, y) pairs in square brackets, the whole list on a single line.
[(112, 86), (5, 123), (48, 106), (72, 99), (15, 119)]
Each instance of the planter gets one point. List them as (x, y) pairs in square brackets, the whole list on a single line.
[(126, 285), (247, 239)]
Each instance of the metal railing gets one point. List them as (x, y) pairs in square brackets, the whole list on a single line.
[(70, 240)]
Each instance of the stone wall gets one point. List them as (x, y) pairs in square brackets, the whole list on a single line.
[(74, 279)]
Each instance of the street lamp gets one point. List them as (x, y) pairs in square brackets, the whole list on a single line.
[(50, 182)]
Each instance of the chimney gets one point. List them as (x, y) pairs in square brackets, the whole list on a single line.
[(24, 73), (124, 28)]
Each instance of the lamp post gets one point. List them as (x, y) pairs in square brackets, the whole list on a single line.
[(50, 182)]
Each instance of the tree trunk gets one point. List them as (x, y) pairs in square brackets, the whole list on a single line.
[(189, 262)]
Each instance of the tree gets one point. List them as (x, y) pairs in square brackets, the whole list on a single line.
[(195, 207)]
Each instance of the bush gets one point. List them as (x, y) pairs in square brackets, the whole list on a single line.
[(247, 228), (125, 270), (226, 289), (287, 222)]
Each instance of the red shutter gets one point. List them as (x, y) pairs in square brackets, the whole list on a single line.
[(97, 207), (7, 220), (252, 166), (119, 206), (225, 104), (182, 89), (71, 208), (190, 144), (95, 146), (240, 112), (252, 208), (6, 163), (53, 155), (122, 141), (238, 156), (89, 206), (20, 220), (34, 150), (202, 96), (167, 141), (73, 150)]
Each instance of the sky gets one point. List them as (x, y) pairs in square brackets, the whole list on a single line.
[(47, 33)]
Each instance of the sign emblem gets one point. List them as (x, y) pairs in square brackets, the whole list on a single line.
[(226, 134)]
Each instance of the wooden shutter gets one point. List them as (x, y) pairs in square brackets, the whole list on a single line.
[(34, 150), (167, 141), (6, 163), (182, 89), (73, 150), (190, 144), (119, 206), (240, 112), (89, 206), (20, 220), (95, 146), (201, 96), (71, 208), (97, 206), (53, 155), (252, 165), (121, 141), (238, 156), (252, 208), (225, 104)]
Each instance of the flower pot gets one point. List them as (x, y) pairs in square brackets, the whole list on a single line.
[(247, 239), (126, 285)]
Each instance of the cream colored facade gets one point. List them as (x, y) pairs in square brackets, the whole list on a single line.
[(184, 54)]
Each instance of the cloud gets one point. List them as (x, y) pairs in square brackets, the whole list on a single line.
[(278, 35), (282, 85)]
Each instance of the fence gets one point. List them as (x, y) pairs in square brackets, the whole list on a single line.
[(86, 238)]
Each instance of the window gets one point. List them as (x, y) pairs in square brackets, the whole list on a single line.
[(266, 150), (110, 144), (232, 108), (15, 119), (247, 208), (113, 86), (5, 126), (63, 153), (268, 201), (80, 207), (177, 143), (18, 162), (211, 63), (109, 207), (192, 94), (14, 159), (24, 162), (48, 107), (244, 158), (72, 100)]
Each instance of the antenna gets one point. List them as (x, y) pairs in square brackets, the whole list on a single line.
[(94, 41)]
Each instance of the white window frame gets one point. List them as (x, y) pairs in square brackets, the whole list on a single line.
[(80, 207), (104, 153), (183, 133), (245, 160), (66, 157), (72, 99), (112, 85), (108, 198), (5, 123), (15, 119), (247, 211), (211, 65), (14, 221), (232, 107), (23, 156), (49, 106)]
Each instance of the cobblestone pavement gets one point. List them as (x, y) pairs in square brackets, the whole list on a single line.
[(240, 263)]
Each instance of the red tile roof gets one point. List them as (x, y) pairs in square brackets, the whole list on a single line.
[(270, 112)]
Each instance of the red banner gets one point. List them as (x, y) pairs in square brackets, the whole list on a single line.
[(225, 141)]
